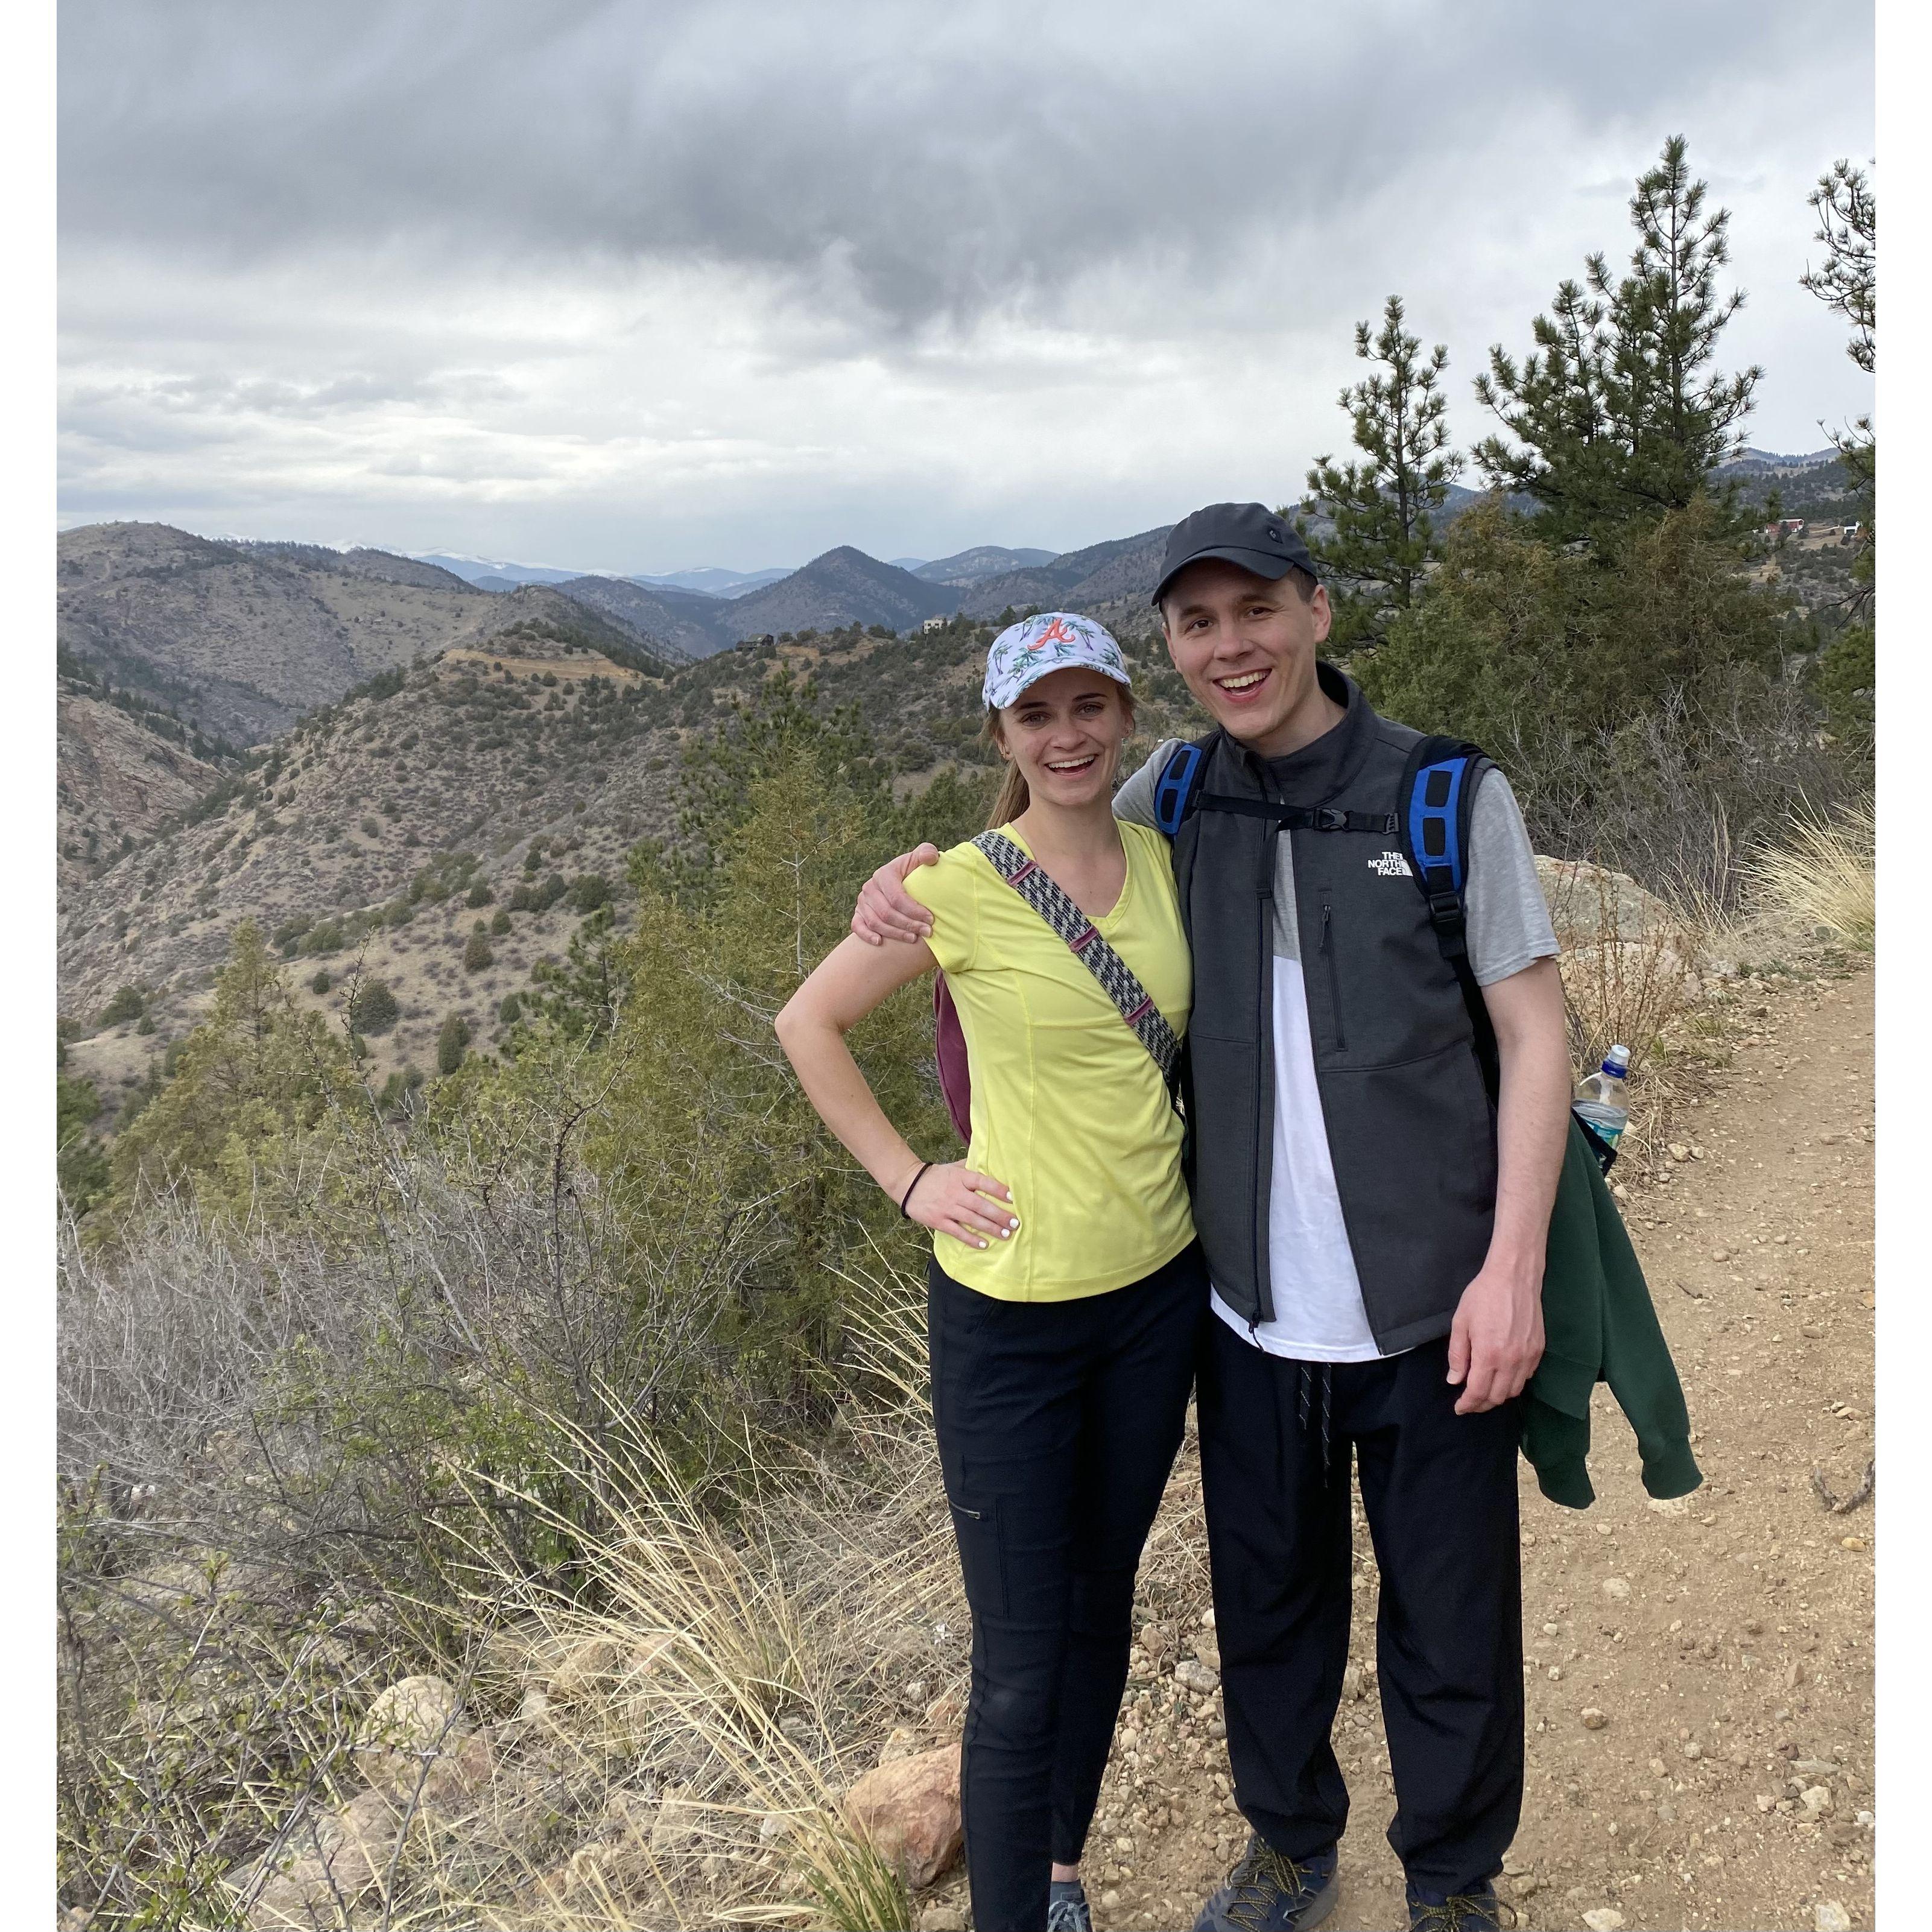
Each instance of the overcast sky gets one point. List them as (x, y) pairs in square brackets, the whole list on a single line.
[(645, 285)]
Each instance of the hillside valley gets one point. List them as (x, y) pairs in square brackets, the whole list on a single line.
[(241, 640), (122, 773), (388, 826)]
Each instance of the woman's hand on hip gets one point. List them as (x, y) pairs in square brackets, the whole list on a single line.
[(951, 1199)]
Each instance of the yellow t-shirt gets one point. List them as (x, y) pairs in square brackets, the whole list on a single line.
[(1068, 1108)]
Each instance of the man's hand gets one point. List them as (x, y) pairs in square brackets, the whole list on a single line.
[(885, 910), (1496, 1340)]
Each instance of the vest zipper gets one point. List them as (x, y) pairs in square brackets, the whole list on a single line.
[(1265, 1031), (1334, 982)]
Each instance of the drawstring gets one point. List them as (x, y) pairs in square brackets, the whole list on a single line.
[(1305, 1404)]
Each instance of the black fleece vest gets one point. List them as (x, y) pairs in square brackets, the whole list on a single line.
[(1411, 1129)]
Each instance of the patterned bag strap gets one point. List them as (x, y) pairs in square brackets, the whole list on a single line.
[(1135, 1003)]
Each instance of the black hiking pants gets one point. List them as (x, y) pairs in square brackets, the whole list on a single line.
[(1439, 1491), (1058, 1423)]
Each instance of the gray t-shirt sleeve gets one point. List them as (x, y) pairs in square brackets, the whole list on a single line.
[(1509, 919), (1134, 801)]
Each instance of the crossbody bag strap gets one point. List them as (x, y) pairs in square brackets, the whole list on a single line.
[(1134, 1003)]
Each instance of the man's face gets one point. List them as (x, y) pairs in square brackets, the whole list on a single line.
[(1246, 646)]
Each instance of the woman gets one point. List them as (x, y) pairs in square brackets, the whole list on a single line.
[(1063, 1296)]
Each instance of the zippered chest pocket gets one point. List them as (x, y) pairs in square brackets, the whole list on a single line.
[(1331, 967), (1380, 993)]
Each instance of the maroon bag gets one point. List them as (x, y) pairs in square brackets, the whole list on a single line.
[(949, 1041)]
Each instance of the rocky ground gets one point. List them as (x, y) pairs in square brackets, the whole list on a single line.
[(1699, 1673)]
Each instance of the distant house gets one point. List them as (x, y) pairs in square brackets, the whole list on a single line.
[(1792, 526), (933, 624)]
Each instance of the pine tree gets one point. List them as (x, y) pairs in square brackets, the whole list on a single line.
[(374, 1008), (1847, 210), (1848, 282), (1385, 510), (258, 1072), (1617, 415), (452, 1043)]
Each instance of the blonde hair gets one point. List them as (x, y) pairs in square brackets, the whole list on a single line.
[(1015, 794)]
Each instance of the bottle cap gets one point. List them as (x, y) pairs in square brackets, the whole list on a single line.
[(1617, 1060)]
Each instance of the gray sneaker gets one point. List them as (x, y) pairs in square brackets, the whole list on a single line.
[(1267, 1892), (1067, 1906)]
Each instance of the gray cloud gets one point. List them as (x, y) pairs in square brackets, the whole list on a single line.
[(575, 272), (936, 159)]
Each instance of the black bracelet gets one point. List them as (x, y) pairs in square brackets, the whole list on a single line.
[(910, 1185)]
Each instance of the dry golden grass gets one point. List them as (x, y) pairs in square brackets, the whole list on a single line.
[(734, 1682), (1825, 875)]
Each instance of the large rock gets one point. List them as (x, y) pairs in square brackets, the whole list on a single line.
[(587, 1669), (1629, 963), (348, 1854), (415, 1729), (908, 1811), (679, 1825), (1588, 904)]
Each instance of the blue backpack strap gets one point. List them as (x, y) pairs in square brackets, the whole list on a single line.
[(1178, 788), (1437, 799)]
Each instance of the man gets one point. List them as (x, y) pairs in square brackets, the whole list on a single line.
[(1374, 1231)]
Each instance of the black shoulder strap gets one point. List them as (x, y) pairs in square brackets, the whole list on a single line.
[(1438, 798)]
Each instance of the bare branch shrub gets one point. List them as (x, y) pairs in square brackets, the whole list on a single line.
[(1678, 794)]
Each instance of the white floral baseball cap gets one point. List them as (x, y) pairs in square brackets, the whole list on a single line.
[(1054, 640)]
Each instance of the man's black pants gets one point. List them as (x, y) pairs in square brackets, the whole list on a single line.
[(1058, 1423), (1439, 1490)]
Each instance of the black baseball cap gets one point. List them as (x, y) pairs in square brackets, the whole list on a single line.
[(1249, 534)]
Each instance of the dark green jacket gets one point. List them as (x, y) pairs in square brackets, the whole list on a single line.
[(1599, 1326)]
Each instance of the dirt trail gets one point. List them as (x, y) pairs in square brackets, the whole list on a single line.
[(1726, 1639)]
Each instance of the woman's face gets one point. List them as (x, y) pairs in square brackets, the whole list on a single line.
[(1065, 732)]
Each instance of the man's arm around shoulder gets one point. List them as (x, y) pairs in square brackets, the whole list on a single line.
[(887, 911)]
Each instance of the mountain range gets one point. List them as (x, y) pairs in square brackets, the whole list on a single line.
[(965, 566), (239, 638), (380, 825)]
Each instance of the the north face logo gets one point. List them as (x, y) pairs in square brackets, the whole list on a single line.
[(1391, 866)]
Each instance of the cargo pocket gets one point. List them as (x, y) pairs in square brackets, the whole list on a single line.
[(981, 1558)]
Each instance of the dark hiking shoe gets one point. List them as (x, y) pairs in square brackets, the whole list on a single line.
[(1066, 1907), (1472, 1911), (1268, 1893)]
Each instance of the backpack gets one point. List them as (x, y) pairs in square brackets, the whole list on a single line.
[(1131, 1000), (1437, 801)]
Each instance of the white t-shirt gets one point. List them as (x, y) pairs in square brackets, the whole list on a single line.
[(1318, 1314)]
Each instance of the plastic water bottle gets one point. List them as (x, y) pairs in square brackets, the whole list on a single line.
[(1601, 1099)]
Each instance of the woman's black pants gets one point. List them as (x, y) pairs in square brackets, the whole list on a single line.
[(1058, 1423)]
